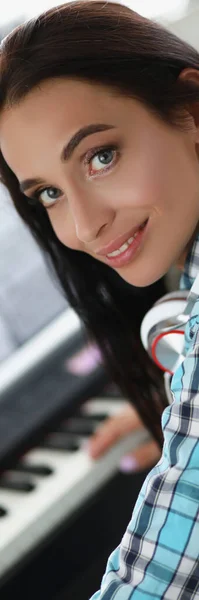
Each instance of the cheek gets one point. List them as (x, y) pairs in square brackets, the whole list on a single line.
[(64, 229), (144, 181), (162, 176)]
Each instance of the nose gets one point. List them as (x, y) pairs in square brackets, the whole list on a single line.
[(90, 218)]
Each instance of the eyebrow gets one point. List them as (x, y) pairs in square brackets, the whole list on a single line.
[(69, 149)]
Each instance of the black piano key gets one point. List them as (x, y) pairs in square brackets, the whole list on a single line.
[(97, 416), (16, 484), (3, 512), (78, 426), (111, 390), (39, 469), (60, 441)]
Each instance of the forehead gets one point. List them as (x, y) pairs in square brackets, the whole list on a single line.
[(42, 122), (54, 95), (54, 109)]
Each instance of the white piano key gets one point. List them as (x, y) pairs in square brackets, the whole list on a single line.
[(76, 477), (98, 405)]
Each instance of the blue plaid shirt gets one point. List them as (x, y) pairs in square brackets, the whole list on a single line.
[(158, 557)]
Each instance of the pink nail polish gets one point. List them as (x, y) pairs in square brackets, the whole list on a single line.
[(128, 464)]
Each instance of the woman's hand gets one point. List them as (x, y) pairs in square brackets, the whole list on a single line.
[(116, 427)]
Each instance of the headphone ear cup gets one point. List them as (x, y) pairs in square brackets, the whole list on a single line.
[(164, 346), (177, 295), (158, 317)]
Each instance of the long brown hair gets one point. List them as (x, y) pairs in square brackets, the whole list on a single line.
[(106, 43)]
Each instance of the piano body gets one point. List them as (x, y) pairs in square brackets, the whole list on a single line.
[(57, 505)]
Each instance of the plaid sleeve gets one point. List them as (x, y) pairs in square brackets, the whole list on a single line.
[(158, 557)]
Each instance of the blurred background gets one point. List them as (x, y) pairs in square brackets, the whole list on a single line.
[(54, 500)]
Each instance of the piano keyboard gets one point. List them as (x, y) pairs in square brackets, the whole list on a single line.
[(51, 481)]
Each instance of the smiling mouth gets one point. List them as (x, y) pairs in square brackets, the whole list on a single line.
[(126, 244), (118, 244), (128, 251)]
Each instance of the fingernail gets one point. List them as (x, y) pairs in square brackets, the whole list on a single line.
[(87, 447), (128, 464)]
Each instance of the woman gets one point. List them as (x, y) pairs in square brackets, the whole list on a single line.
[(99, 142)]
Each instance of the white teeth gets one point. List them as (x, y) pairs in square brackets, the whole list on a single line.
[(123, 247)]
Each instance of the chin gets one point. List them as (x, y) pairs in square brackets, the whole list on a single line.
[(143, 277)]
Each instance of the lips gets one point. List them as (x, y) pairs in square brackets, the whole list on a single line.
[(119, 241)]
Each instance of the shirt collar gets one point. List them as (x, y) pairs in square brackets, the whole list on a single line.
[(191, 266)]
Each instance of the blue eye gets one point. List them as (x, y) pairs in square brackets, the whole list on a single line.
[(99, 153), (55, 194)]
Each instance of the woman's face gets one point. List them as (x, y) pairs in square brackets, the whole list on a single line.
[(142, 169)]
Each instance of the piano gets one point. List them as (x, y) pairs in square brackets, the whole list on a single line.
[(54, 392)]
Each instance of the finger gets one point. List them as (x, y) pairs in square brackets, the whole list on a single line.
[(112, 430), (143, 458)]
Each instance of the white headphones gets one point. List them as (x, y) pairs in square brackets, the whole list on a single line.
[(162, 329)]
